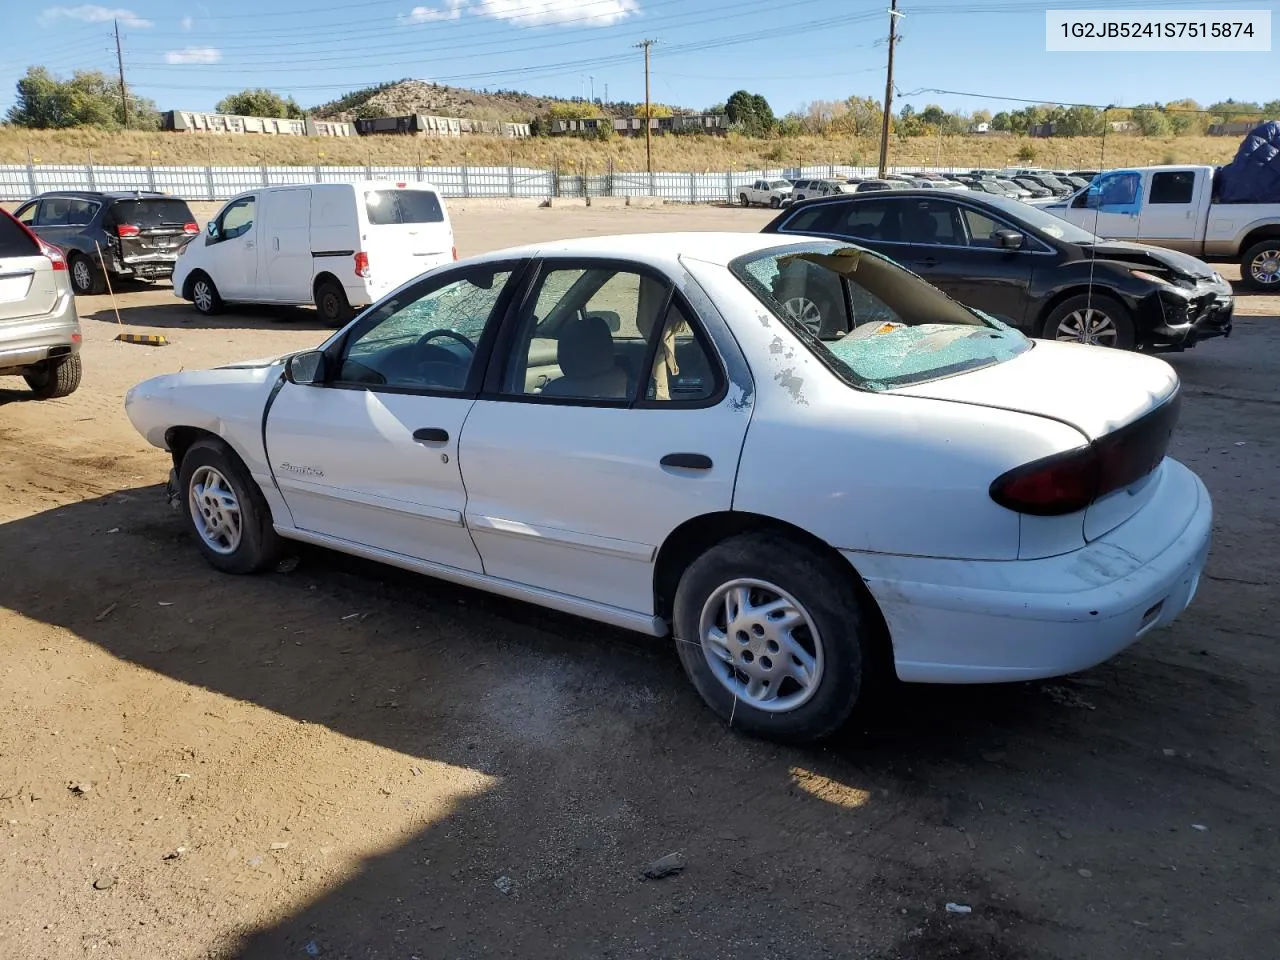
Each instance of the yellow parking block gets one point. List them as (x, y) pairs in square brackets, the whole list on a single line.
[(146, 339)]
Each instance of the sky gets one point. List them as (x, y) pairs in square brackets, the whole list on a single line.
[(187, 55)]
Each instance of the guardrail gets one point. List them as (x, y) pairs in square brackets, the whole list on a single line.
[(19, 181)]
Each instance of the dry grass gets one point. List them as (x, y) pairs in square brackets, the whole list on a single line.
[(669, 153)]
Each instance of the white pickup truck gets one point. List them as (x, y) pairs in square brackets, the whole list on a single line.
[(1173, 207), (769, 193)]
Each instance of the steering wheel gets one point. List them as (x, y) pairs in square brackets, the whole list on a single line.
[(452, 335)]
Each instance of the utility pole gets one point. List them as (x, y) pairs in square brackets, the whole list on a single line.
[(648, 109), (888, 89), (593, 87), (124, 99)]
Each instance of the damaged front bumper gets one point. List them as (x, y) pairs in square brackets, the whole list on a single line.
[(1187, 316)]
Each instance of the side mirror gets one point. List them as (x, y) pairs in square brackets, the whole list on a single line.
[(1010, 239), (305, 369), (211, 228)]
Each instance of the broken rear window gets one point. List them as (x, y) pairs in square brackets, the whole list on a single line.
[(873, 323), (150, 213)]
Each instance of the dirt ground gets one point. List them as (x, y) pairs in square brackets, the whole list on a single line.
[(347, 761)]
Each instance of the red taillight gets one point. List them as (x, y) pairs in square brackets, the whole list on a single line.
[(1070, 481), (55, 256), (455, 253), (126, 230), (191, 229), (402, 185), (362, 264)]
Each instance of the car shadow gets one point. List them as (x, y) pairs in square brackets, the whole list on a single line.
[(184, 316), (599, 758)]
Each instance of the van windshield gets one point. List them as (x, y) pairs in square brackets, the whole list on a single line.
[(402, 206), (876, 325)]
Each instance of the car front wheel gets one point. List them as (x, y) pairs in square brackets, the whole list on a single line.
[(205, 295), (1097, 319), (772, 637), (742, 199), (775, 202), (226, 510)]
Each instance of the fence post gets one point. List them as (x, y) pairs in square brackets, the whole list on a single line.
[(511, 178), (728, 185), (693, 187), (88, 174), (315, 172), (263, 170), (653, 191), (31, 177), (208, 180), (368, 172)]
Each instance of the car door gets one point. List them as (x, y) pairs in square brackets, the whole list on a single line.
[(231, 257), (608, 423), (286, 244), (1168, 216), (52, 222), (370, 454), (1110, 207)]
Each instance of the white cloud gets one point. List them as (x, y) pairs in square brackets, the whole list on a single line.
[(588, 13), (187, 23), (449, 10), (92, 13), (194, 55)]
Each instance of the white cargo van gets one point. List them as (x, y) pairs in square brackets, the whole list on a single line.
[(337, 245)]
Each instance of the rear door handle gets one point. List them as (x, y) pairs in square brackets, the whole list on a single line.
[(430, 435), (687, 461)]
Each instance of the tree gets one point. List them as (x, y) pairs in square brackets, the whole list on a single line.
[(578, 110), (259, 103), (1235, 109), (655, 110), (1151, 121), (1001, 122), (89, 98), (750, 112), (1079, 122), (933, 115), (1271, 109)]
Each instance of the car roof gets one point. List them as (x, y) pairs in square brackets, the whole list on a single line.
[(105, 194), (718, 248)]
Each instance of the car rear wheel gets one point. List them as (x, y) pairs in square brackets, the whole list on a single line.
[(772, 637), (205, 295), (86, 279), (742, 199), (226, 510), (54, 378), (1260, 266), (331, 303), (1098, 320)]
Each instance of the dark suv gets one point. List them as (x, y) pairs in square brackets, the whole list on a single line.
[(136, 235)]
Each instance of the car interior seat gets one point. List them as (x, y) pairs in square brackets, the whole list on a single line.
[(587, 361)]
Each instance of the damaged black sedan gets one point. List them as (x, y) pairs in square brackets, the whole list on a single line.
[(1028, 268), (111, 235)]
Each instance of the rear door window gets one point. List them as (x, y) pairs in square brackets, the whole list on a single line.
[(14, 241), (153, 213), (931, 222), (1176, 186), (402, 206)]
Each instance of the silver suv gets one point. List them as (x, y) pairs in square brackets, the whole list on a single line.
[(39, 329)]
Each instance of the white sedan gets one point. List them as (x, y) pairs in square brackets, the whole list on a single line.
[(804, 462)]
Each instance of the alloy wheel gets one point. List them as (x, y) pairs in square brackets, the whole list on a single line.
[(82, 275), (1266, 267), (1089, 325), (202, 294), (215, 511), (762, 645)]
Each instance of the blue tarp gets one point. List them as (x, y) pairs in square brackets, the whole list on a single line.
[(1254, 175)]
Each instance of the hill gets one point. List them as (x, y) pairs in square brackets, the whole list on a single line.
[(416, 96)]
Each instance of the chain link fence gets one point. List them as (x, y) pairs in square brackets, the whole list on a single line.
[(20, 181)]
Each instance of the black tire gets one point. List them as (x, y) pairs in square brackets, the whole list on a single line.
[(331, 304), (259, 545), (742, 199), (54, 378), (1259, 251), (87, 279), (821, 592), (775, 202), (204, 295), (1114, 311)]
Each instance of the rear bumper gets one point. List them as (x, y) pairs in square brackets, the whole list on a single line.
[(956, 621), (33, 339)]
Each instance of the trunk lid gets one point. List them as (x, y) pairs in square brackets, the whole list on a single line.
[(1096, 390), (161, 228)]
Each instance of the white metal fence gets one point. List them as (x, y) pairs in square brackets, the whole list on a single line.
[(19, 181)]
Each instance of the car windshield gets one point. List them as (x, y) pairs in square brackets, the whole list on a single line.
[(876, 325), (402, 206), (779, 185), (157, 212)]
